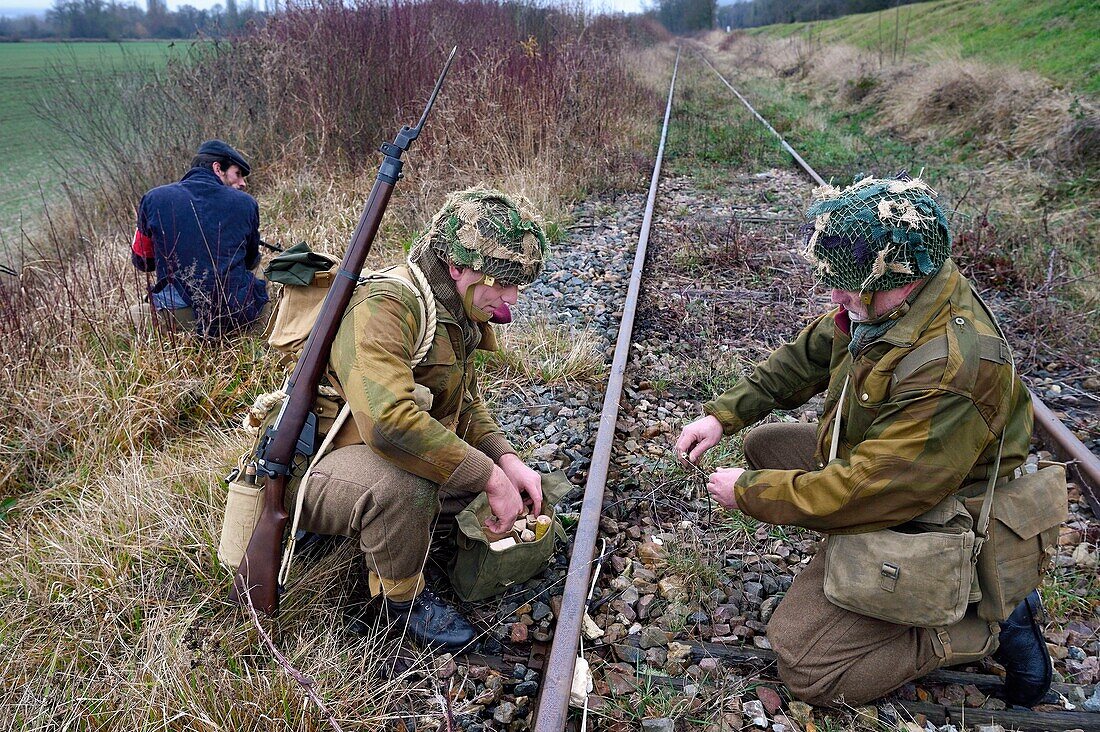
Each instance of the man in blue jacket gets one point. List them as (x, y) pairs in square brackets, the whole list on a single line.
[(202, 237)]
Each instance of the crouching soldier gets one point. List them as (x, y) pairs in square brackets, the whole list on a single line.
[(922, 405), (422, 444)]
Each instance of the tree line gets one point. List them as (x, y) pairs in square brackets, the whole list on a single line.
[(112, 20), (766, 12), (683, 16)]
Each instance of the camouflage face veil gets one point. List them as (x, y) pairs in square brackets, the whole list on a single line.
[(486, 230), (876, 234)]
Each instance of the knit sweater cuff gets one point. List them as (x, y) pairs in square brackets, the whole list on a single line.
[(472, 474), (495, 446)]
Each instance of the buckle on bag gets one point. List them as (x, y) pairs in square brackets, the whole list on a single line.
[(888, 576)]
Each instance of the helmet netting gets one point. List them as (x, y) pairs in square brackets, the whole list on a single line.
[(486, 230), (876, 234)]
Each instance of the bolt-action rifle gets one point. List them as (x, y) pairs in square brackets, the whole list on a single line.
[(294, 432)]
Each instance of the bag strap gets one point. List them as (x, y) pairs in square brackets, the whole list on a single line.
[(428, 319), (987, 500), (836, 419)]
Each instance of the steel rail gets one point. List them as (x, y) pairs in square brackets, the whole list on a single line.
[(1082, 464), (798, 158), (558, 674)]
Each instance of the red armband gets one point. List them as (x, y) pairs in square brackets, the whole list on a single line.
[(142, 246)]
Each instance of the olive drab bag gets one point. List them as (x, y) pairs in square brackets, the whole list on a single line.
[(478, 572), (306, 276), (1022, 538)]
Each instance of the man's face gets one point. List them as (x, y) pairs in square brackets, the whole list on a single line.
[(232, 176), (851, 302), (495, 298), (882, 301)]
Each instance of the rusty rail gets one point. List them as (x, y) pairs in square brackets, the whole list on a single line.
[(1082, 466), (798, 158), (558, 676)]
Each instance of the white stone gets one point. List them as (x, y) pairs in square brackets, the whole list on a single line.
[(582, 683), (590, 629), (1082, 557)]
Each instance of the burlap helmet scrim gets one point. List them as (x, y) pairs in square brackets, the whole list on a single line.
[(876, 234), (488, 231)]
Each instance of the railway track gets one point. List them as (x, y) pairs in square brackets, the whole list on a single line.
[(558, 660)]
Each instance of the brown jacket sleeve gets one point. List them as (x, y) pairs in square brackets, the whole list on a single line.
[(370, 357)]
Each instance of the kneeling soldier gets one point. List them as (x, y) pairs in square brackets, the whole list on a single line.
[(422, 443), (927, 403)]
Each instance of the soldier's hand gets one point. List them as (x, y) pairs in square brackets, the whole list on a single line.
[(504, 500), (526, 480), (698, 437), (721, 486)]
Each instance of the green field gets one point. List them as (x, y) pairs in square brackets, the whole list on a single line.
[(1059, 39), (30, 147)]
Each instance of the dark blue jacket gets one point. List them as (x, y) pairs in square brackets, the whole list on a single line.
[(206, 238)]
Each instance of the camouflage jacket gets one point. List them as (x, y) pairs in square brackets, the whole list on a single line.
[(453, 442), (923, 415)]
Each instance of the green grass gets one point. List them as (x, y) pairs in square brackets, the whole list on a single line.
[(1071, 592), (30, 75), (834, 138), (1059, 39), (708, 137)]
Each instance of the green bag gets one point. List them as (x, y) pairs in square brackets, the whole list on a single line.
[(477, 571)]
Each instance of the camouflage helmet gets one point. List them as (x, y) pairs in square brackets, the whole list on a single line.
[(876, 234), (486, 230)]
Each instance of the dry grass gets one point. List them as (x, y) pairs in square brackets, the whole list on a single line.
[(1017, 113), (115, 615), (538, 352)]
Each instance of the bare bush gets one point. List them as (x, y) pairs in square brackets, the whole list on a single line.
[(322, 84)]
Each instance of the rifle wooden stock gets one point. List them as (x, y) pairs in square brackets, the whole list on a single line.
[(258, 572)]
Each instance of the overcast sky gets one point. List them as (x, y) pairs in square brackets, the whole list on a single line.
[(16, 7)]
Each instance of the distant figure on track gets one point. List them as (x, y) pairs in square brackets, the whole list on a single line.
[(422, 443), (201, 236), (926, 388)]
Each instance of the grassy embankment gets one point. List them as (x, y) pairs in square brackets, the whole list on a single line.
[(31, 76), (112, 609), (1058, 39)]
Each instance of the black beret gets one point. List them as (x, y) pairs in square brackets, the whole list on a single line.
[(223, 150)]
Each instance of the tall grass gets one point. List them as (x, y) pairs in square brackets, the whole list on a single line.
[(113, 443)]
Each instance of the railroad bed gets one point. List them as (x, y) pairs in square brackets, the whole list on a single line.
[(684, 590)]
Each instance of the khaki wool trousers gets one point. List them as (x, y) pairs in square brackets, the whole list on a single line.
[(356, 493), (827, 654)]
